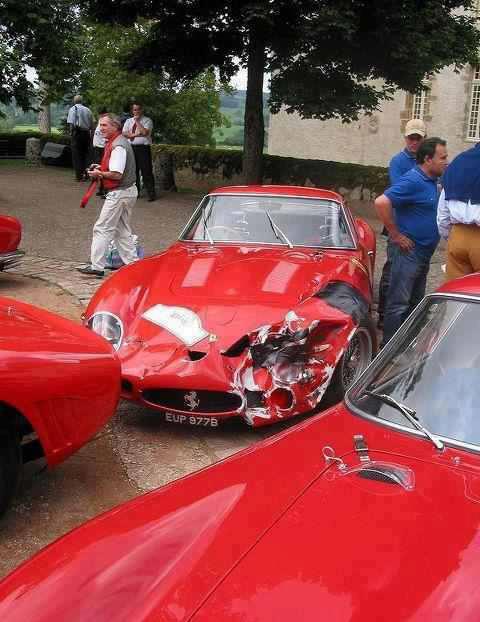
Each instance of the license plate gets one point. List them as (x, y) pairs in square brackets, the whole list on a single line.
[(211, 422)]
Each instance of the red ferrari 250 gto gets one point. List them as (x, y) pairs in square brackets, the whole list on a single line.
[(259, 309)]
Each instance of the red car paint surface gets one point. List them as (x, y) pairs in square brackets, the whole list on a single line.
[(10, 233), (239, 290), (10, 236), (64, 380), (303, 526)]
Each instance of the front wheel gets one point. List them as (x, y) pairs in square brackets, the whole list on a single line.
[(356, 358), (10, 464)]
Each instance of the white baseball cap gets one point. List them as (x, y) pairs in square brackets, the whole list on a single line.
[(415, 126)]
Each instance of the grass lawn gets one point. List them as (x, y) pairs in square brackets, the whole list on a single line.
[(13, 163), (32, 128)]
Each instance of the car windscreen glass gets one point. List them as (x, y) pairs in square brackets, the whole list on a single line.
[(270, 220), (432, 367)]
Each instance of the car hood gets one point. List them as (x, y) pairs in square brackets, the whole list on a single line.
[(363, 550), (274, 535), (232, 289)]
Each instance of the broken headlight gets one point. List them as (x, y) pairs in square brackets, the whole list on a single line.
[(108, 325)]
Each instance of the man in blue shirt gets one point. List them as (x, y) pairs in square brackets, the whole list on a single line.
[(412, 230), (400, 164)]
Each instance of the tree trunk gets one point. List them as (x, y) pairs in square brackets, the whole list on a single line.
[(44, 120), (254, 131)]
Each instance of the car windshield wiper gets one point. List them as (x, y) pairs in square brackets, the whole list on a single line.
[(409, 413), (276, 229), (209, 236)]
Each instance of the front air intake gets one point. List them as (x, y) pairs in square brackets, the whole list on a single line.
[(193, 400)]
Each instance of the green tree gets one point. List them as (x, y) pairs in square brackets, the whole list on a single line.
[(42, 36), (334, 58), (186, 113)]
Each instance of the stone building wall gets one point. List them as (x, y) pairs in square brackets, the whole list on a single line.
[(372, 140)]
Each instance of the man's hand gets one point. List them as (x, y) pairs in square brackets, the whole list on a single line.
[(405, 244), (94, 172)]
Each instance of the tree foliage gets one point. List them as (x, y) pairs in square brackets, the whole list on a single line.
[(42, 36), (328, 58), (182, 113)]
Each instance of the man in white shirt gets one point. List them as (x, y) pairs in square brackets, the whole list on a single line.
[(458, 215), (117, 174), (98, 141), (81, 124), (138, 129)]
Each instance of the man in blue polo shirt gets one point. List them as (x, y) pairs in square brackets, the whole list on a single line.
[(401, 163), (412, 230)]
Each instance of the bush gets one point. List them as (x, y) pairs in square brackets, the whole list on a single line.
[(279, 170), (13, 143)]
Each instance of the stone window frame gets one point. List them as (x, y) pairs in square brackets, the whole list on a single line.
[(418, 104), (407, 113), (473, 118)]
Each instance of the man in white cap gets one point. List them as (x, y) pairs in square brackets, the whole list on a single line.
[(401, 163)]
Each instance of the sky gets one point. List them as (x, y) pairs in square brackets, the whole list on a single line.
[(239, 81)]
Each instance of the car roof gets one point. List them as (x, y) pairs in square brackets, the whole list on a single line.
[(294, 191), (469, 285)]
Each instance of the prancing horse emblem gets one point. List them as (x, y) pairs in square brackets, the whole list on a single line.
[(191, 400)]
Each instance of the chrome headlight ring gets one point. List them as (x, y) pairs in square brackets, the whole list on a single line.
[(107, 325)]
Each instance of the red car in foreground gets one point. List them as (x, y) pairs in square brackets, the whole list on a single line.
[(59, 385), (259, 309), (367, 511), (10, 236)]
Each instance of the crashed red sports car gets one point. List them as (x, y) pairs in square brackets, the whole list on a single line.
[(259, 308), (367, 511), (10, 236), (59, 385)]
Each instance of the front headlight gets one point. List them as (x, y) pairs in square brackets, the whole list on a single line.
[(108, 325)]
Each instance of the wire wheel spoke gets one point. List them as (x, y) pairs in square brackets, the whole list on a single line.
[(356, 357)]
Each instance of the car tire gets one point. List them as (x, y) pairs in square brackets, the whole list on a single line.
[(10, 464), (360, 351)]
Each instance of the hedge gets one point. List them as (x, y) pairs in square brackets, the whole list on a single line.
[(13, 143), (278, 169), (228, 162)]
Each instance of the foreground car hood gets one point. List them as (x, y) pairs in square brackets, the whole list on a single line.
[(355, 549), (242, 541)]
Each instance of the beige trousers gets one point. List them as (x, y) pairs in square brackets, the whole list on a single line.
[(463, 251), (114, 224)]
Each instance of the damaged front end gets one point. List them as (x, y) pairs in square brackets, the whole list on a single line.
[(286, 368)]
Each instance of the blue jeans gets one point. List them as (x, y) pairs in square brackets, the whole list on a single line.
[(408, 280)]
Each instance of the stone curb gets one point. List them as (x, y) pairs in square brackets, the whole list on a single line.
[(60, 273)]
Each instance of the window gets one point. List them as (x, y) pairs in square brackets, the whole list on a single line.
[(418, 104), (473, 130)]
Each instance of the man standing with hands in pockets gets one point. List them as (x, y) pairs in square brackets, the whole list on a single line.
[(138, 129), (117, 175), (412, 230)]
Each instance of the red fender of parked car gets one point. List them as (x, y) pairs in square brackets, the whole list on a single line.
[(10, 236), (58, 381)]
